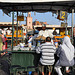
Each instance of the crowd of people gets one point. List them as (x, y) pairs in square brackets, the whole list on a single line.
[(48, 50), (64, 52), (3, 42), (3, 33)]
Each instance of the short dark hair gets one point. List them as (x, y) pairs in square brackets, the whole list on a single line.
[(48, 39)]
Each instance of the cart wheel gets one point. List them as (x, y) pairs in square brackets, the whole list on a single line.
[(5, 67)]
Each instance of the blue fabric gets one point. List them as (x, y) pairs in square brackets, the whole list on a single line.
[(30, 72)]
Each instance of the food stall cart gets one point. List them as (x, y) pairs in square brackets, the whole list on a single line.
[(23, 58), (27, 59)]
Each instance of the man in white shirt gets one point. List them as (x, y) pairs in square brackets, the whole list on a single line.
[(44, 33)]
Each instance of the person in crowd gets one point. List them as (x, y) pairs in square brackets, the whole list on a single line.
[(65, 52), (44, 33), (3, 40), (8, 31), (32, 39), (26, 39), (47, 51), (3, 31), (55, 32)]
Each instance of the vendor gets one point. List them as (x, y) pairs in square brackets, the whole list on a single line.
[(44, 33)]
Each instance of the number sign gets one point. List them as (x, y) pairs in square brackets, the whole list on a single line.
[(63, 15)]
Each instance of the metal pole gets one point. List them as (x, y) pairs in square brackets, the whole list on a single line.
[(21, 34), (17, 31), (72, 23), (12, 27), (66, 27)]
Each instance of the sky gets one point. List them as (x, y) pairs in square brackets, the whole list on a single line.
[(43, 17)]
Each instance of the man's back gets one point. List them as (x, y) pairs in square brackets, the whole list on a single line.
[(47, 51)]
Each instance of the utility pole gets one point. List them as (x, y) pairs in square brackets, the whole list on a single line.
[(12, 28), (17, 31)]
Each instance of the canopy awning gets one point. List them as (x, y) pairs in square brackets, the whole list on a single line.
[(31, 1), (38, 5)]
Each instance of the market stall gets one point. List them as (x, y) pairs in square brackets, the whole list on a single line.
[(28, 58)]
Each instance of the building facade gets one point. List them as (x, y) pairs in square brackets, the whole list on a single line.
[(29, 21)]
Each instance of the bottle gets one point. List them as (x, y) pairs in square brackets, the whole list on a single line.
[(29, 44), (38, 44)]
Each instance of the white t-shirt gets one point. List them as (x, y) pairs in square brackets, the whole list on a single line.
[(8, 32), (45, 33)]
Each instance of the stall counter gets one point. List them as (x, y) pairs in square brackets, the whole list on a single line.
[(25, 58)]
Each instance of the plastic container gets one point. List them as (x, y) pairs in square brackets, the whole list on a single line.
[(56, 44), (29, 44), (38, 44), (22, 45)]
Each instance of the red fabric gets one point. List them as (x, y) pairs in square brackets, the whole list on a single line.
[(24, 33), (5, 43), (3, 39)]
